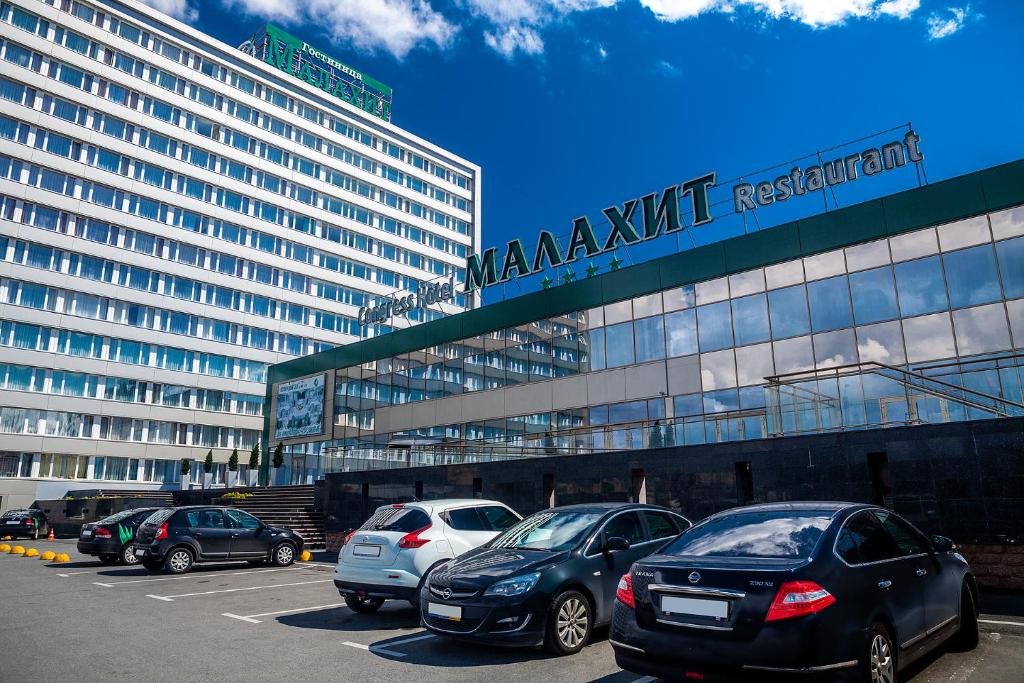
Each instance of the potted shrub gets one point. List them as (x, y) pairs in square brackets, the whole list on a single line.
[(278, 462), (233, 469), (254, 465), (186, 468), (208, 469)]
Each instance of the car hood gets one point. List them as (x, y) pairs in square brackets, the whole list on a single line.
[(479, 568)]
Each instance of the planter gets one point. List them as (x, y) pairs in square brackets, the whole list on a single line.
[(232, 479), (253, 477), (184, 486), (207, 480)]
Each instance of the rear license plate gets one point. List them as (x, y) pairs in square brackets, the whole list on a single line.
[(366, 550), (87, 533), (716, 609), (445, 611), (139, 552), (10, 523)]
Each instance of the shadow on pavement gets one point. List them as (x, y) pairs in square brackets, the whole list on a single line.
[(392, 616)]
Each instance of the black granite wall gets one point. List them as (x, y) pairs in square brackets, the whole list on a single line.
[(964, 480)]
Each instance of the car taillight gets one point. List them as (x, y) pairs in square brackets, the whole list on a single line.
[(413, 540), (161, 532), (100, 532), (798, 598), (348, 536), (624, 592)]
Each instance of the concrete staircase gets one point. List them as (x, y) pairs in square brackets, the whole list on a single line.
[(287, 506)]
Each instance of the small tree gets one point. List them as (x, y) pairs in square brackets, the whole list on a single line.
[(278, 456), (208, 463), (186, 466), (233, 461), (670, 435), (254, 457), (655, 440)]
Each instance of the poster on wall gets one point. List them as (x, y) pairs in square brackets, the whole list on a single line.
[(300, 408)]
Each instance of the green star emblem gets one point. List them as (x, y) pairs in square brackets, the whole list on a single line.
[(546, 282), (569, 276), (592, 269), (615, 263)]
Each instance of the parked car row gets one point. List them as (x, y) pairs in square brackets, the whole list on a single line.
[(848, 591)]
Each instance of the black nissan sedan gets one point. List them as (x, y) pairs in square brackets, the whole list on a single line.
[(849, 591), (112, 539), (549, 579)]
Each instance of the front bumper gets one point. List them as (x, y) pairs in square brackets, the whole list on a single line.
[(798, 646), (494, 621), (93, 546)]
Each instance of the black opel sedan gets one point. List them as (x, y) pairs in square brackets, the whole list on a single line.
[(549, 579), (853, 592), (112, 539)]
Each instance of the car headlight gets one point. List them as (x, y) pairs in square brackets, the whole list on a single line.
[(517, 585)]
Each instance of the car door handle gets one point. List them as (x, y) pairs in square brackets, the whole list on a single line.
[(884, 584), (921, 572)]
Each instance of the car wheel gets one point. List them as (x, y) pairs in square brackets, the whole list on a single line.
[(153, 565), (128, 554), (283, 555), (967, 637), (363, 605), (178, 561), (569, 624), (879, 662), (107, 558)]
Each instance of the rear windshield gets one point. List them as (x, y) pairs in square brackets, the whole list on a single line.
[(15, 514), (777, 534), (402, 519), (159, 516), (118, 517)]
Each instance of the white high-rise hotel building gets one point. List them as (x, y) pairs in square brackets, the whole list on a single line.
[(175, 215)]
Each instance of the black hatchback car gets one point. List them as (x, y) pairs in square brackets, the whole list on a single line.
[(112, 539), (850, 591), (549, 579), (30, 523), (176, 538)]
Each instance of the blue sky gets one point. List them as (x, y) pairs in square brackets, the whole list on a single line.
[(573, 105)]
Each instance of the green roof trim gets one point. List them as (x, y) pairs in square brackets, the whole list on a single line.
[(980, 192)]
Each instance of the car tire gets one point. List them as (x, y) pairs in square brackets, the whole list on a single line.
[(128, 557), (283, 555), (966, 638), (363, 605), (107, 558), (570, 623), (153, 565), (878, 663), (179, 561)]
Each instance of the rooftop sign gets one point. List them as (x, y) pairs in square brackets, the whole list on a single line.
[(300, 60)]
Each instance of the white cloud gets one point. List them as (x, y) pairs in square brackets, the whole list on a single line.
[(668, 69), (179, 9), (901, 9), (394, 26), (603, 53), (515, 25), (942, 27), (813, 13)]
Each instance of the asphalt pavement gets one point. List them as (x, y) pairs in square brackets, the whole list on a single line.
[(85, 621)]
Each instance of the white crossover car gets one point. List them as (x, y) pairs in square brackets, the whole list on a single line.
[(388, 557)]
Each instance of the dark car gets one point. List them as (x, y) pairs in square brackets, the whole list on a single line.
[(112, 539), (549, 579), (176, 538), (851, 591), (30, 523)]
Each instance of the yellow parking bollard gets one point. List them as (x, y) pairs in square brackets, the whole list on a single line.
[(17, 550), (48, 555), (63, 557), (8, 538), (31, 552), (5, 548), (306, 556)]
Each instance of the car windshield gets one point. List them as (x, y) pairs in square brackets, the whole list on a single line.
[(117, 517), (553, 531), (775, 534)]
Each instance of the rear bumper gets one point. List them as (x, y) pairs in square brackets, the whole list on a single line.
[(385, 578), (376, 591), (107, 546)]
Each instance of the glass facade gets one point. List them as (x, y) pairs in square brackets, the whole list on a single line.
[(176, 217), (924, 327)]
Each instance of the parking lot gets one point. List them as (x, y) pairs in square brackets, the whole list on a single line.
[(87, 621)]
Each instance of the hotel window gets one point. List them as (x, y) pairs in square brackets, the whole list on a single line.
[(921, 286)]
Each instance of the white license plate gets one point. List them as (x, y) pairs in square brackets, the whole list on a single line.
[(717, 609), (140, 553), (446, 611), (87, 533), (10, 523), (366, 550)]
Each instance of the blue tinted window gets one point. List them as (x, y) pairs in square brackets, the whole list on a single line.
[(920, 286), (681, 330), (971, 276), (619, 344), (874, 295), (1011, 266), (750, 319), (830, 304), (714, 325), (788, 312), (650, 339)]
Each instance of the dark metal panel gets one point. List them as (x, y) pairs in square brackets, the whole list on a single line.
[(836, 229)]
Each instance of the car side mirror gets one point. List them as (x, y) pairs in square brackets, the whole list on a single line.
[(615, 543), (942, 544)]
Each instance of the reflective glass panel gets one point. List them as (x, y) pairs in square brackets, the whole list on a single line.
[(714, 325), (929, 337), (981, 329), (971, 275), (717, 370), (830, 304), (750, 315), (788, 312), (920, 286), (619, 344), (681, 330), (650, 338), (874, 295), (1011, 266), (753, 364), (882, 343), (793, 355), (832, 349)]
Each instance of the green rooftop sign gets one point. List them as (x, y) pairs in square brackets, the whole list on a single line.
[(300, 60)]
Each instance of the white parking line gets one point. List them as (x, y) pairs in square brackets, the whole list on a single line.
[(645, 679), (194, 576), (1001, 623), (74, 574), (171, 598), (251, 618), (386, 650)]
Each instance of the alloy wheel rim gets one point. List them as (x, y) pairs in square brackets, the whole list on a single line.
[(881, 660), (284, 554), (571, 622), (129, 555), (179, 560)]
